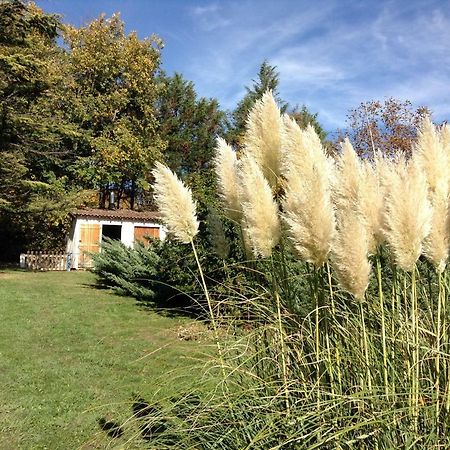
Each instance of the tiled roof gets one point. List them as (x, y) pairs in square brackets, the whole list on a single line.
[(118, 214)]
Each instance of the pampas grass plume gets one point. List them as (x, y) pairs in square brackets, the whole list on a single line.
[(372, 205), (225, 163), (347, 184), (433, 158), (445, 137), (349, 254), (307, 205), (261, 224), (175, 203), (408, 213), (262, 139)]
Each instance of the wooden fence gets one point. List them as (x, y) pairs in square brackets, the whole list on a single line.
[(35, 260)]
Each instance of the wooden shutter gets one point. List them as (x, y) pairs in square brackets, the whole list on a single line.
[(89, 243), (141, 232)]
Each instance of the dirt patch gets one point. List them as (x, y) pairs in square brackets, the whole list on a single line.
[(9, 275)]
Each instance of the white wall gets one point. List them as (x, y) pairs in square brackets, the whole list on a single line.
[(127, 234)]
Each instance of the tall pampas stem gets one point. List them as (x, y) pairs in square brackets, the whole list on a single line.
[(178, 211)]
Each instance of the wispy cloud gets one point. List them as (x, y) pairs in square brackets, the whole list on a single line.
[(331, 55), (209, 17)]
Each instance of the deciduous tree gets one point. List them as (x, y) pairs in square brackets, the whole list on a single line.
[(388, 126), (112, 101)]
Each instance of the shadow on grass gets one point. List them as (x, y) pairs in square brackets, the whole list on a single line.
[(167, 302), (152, 420)]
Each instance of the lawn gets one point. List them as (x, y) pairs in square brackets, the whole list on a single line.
[(71, 354)]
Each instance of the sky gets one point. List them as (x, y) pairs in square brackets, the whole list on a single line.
[(331, 54)]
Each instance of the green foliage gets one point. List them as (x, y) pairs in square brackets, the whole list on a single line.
[(268, 79), (127, 271), (304, 117), (112, 100), (188, 124)]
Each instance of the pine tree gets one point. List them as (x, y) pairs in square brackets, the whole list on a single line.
[(188, 124)]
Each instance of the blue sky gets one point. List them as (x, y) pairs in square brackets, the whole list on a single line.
[(331, 55)]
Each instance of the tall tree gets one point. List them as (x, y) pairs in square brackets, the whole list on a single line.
[(304, 117), (112, 101), (31, 130), (267, 79), (189, 125), (389, 126), (28, 72)]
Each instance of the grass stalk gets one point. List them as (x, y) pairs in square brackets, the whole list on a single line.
[(317, 332), (333, 312), (366, 346), (383, 325), (441, 295), (416, 351), (283, 353)]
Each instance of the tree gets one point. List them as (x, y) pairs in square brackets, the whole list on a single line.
[(268, 79), (389, 126), (304, 117), (189, 125), (112, 101), (27, 73), (32, 131)]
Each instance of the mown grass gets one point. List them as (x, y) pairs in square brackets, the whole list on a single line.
[(71, 354)]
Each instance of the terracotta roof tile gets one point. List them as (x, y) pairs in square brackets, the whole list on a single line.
[(118, 214)]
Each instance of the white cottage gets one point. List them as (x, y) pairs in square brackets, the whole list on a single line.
[(90, 226)]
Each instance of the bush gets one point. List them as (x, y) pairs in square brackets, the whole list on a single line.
[(128, 271)]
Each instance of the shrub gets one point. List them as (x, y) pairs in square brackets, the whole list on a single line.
[(129, 271)]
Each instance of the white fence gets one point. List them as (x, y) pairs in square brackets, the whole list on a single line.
[(35, 260)]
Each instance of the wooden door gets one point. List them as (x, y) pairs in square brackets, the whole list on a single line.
[(141, 232), (89, 243)]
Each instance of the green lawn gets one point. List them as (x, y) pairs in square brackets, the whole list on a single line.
[(71, 354)]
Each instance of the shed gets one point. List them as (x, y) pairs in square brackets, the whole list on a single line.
[(90, 226)]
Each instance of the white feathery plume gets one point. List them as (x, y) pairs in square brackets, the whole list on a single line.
[(433, 158), (356, 188), (175, 203), (347, 184), (307, 206), (350, 252), (262, 139), (372, 204), (225, 163), (445, 138), (408, 213), (261, 224)]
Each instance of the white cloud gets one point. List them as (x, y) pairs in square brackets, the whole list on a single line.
[(331, 55)]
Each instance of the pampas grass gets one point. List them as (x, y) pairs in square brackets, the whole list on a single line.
[(175, 203), (350, 254), (348, 181), (261, 224), (307, 206), (225, 163), (345, 369), (433, 158), (262, 139), (372, 205), (408, 213)]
